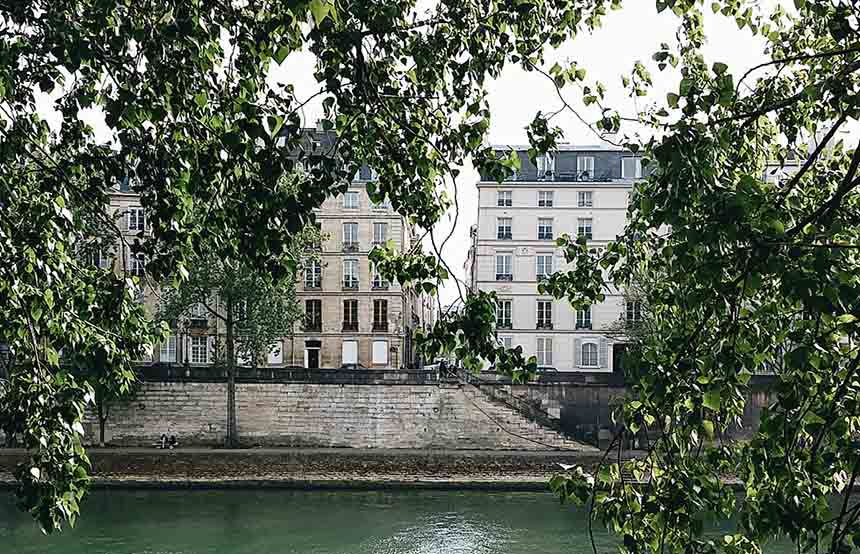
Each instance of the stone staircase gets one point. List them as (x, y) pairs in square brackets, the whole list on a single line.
[(509, 419)]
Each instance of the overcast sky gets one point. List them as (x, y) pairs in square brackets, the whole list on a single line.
[(631, 34)]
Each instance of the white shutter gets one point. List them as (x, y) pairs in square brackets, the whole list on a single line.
[(603, 353), (577, 352), (350, 352), (380, 352)]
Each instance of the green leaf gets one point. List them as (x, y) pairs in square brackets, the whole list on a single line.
[(720, 68), (711, 400), (672, 99), (320, 9)]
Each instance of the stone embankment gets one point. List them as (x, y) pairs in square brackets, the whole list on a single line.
[(319, 468)]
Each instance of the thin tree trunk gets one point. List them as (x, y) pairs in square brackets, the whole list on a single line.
[(102, 421), (232, 439)]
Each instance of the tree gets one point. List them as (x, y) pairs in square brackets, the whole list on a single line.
[(254, 309)]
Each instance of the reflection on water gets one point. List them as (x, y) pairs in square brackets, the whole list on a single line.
[(282, 522)]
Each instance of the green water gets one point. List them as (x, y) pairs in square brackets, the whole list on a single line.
[(264, 522)]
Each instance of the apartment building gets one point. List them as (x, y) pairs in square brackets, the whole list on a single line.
[(575, 191), (352, 318)]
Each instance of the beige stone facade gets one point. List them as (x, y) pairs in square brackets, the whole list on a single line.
[(386, 314)]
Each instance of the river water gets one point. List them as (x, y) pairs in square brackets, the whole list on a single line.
[(307, 522)]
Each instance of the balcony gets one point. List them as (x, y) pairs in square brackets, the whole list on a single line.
[(380, 285), (544, 325), (504, 277), (583, 325), (586, 235), (544, 236), (313, 325), (379, 243), (350, 284), (504, 325), (313, 285), (380, 326), (505, 236), (350, 247), (350, 326)]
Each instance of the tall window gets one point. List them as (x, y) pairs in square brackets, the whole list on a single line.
[(503, 228), (585, 168), (135, 219), (313, 274), (544, 266), (583, 228), (350, 274), (544, 352), (503, 314), (380, 315), (504, 271), (350, 199), (167, 352), (631, 168), (313, 315), (545, 199), (546, 166), (584, 199), (634, 311), (378, 281), (198, 316), (199, 350), (380, 233), (544, 314), (350, 236), (544, 229), (380, 352), (583, 318), (589, 355), (136, 264), (504, 198), (350, 315)]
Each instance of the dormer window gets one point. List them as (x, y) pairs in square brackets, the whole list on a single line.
[(546, 167)]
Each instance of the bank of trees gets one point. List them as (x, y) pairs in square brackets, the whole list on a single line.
[(755, 270)]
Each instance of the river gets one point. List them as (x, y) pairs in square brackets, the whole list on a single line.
[(307, 522)]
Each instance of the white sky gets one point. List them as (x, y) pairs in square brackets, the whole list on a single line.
[(630, 34)]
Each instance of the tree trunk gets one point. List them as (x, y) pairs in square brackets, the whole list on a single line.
[(232, 439), (102, 415)]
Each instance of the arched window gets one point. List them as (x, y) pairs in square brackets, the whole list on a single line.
[(589, 354)]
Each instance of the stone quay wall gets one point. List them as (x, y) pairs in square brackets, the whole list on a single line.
[(437, 416)]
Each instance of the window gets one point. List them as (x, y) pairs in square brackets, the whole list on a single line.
[(584, 199), (583, 228), (313, 275), (350, 352), (504, 198), (350, 236), (168, 350), (507, 342), (583, 318), (546, 166), (198, 316), (503, 314), (357, 176), (544, 229), (544, 352), (350, 274), (544, 266), (544, 314), (585, 168), (504, 271), (378, 281), (504, 228), (199, 350), (135, 219), (589, 354), (350, 315), (136, 264), (384, 205), (634, 311), (380, 315), (380, 352), (380, 233), (631, 168), (545, 199), (313, 315), (350, 199)]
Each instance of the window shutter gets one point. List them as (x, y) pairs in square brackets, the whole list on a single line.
[(577, 352), (210, 350), (603, 353)]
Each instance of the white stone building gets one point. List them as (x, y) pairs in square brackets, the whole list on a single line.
[(575, 190)]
